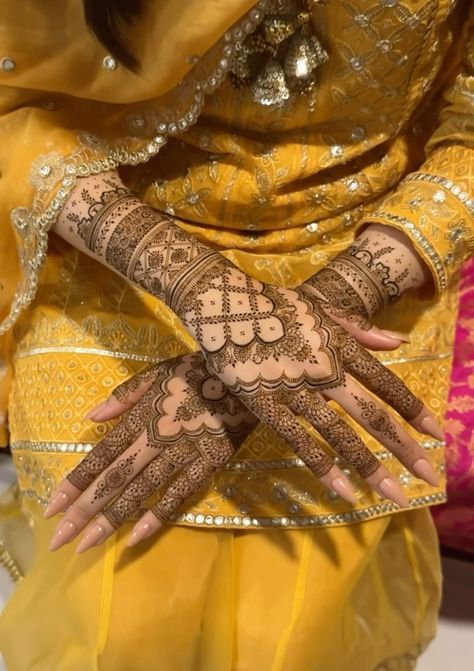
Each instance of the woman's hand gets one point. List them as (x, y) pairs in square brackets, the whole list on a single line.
[(179, 426), (181, 420), (283, 356)]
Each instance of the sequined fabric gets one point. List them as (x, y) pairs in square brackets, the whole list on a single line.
[(455, 520), (279, 191)]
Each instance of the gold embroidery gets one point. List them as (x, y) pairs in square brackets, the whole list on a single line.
[(9, 564)]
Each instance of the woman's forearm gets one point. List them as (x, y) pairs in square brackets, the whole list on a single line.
[(375, 271), (105, 220)]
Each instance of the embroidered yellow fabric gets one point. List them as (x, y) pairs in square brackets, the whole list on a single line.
[(279, 191)]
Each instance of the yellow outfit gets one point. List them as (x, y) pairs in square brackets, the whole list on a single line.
[(292, 578)]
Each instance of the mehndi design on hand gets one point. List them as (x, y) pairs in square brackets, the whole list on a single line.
[(271, 347), (180, 424), (369, 275)]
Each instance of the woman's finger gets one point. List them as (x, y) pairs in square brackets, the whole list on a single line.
[(114, 443), (382, 382), (130, 501), (367, 412), (345, 441), (354, 322), (115, 478), (374, 338), (197, 459), (148, 525), (188, 482), (280, 416), (125, 395)]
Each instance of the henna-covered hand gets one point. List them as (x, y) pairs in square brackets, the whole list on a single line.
[(181, 422), (372, 273), (276, 349), (179, 426)]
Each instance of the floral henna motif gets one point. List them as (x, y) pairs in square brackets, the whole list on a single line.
[(108, 449), (115, 477), (123, 392), (378, 379), (197, 459), (372, 273), (371, 259), (337, 433), (378, 419), (338, 297)]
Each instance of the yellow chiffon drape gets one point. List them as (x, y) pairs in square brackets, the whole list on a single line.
[(264, 570)]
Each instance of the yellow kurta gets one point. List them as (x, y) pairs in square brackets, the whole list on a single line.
[(261, 585)]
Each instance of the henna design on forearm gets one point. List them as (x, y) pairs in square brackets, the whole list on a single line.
[(371, 274), (338, 297)]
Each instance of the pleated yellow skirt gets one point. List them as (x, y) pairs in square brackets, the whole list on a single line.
[(361, 597)]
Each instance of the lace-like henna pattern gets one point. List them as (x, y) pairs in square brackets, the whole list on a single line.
[(114, 443), (372, 273), (337, 433), (115, 477), (378, 419), (110, 199), (239, 320), (123, 392), (373, 257), (378, 379), (197, 458), (338, 297)]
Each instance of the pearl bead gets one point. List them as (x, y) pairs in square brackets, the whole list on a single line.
[(7, 64), (109, 63)]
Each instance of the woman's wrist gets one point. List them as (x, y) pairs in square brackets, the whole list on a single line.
[(104, 219), (375, 271)]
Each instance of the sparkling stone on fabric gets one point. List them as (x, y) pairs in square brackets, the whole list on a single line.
[(7, 64), (109, 63)]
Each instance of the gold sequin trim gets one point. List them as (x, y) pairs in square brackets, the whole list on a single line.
[(33, 224), (420, 239), (36, 351), (296, 521), (9, 564), (241, 465)]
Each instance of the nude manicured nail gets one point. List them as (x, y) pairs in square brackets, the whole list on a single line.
[(396, 335), (58, 503), (430, 426), (94, 536), (141, 531), (64, 533), (390, 490), (95, 412), (343, 488), (424, 470)]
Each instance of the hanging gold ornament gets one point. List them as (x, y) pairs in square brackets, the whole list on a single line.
[(304, 55), (269, 86), (283, 57), (276, 29)]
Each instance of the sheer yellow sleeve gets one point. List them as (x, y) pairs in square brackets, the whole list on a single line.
[(68, 109), (55, 80), (435, 205)]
